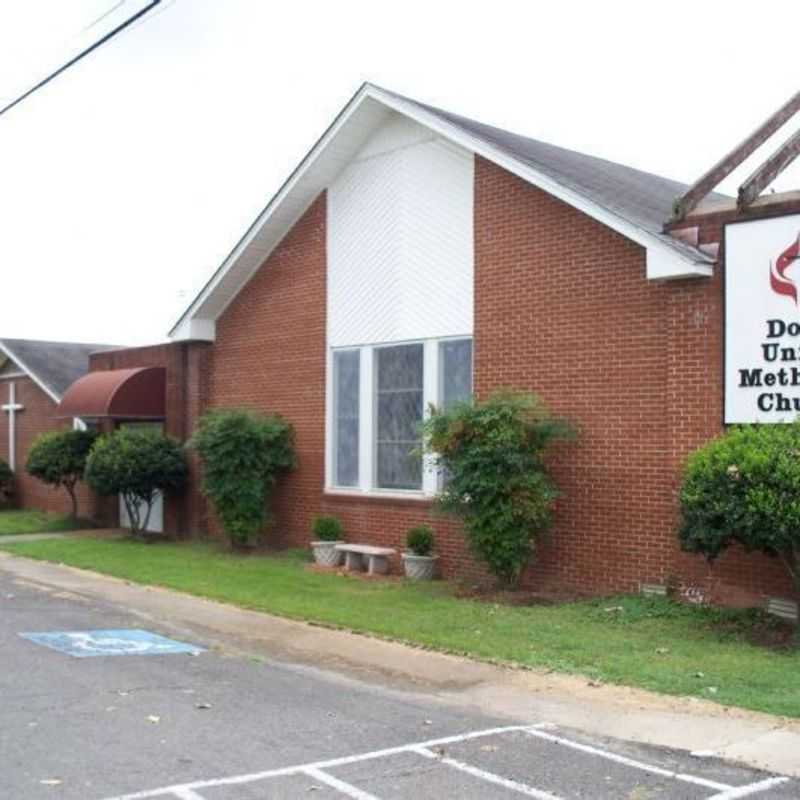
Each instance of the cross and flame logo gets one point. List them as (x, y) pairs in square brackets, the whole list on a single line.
[(778, 280)]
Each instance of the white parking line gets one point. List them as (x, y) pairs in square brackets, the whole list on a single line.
[(327, 764), (628, 762), (318, 770), (484, 775), (750, 789), (346, 789)]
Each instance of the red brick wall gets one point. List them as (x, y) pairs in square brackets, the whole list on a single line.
[(37, 417), (269, 355), (563, 309)]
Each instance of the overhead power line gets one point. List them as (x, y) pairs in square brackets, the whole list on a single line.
[(107, 13), (99, 43)]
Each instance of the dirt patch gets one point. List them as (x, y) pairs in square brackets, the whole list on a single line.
[(760, 629), (517, 597), (344, 573)]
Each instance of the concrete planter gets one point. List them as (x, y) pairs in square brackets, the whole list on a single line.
[(419, 568), (326, 554)]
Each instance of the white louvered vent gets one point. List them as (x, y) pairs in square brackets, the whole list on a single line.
[(400, 246), (787, 609), (653, 589)]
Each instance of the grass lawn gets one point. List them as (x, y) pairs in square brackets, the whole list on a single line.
[(16, 522), (646, 642)]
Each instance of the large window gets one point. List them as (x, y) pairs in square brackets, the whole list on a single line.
[(378, 399), (399, 388), (346, 387)]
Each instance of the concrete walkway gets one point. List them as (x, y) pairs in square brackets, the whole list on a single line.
[(94, 533), (32, 537), (706, 729)]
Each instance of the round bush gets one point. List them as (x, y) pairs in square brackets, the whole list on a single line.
[(140, 465), (327, 529), (243, 453), (492, 454), (744, 487), (58, 458), (419, 540)]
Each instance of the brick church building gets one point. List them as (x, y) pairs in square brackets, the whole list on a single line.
[(418, 257)]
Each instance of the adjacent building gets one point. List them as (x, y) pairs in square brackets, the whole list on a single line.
[(33, 378)]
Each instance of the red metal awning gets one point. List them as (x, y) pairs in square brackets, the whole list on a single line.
[(138, 393)]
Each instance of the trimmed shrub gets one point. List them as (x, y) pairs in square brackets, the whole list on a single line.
[(58, 458), (492, 454), (243, 453), (744, 488), (140, 466), (6, 484), (327, 529), (419, 540)]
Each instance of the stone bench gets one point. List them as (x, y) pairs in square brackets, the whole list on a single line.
[(377, 557)]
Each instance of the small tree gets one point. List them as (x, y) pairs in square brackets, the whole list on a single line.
[(58, 458), (6, 483), (140, 466), (744, 488), (492, 454), (243, 453)]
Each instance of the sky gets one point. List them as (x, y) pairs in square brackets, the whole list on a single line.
[(127, 180)]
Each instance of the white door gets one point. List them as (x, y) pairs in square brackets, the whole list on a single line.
[(156, 521)]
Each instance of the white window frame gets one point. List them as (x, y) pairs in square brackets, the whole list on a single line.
[(367, 461)]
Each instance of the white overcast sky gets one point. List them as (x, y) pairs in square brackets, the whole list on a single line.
[(126, 181)]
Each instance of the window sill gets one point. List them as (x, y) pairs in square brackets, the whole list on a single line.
[(377, 496)]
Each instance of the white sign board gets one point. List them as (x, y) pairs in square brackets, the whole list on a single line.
[(762, 320)]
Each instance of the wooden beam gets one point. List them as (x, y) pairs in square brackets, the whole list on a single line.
[(768, 171), (706, 182)]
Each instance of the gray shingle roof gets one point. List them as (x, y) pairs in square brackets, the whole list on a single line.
[(54, 364), (641, 198)]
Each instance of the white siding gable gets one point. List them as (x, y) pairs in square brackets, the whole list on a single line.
[(400, 240)]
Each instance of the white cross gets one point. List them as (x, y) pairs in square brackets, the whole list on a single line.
[(12, 407)]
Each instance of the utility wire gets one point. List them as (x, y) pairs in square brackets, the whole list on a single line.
[(106, 13), (163, 10), (110, 35)]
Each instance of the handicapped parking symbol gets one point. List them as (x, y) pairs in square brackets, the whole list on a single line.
[(82, 644)]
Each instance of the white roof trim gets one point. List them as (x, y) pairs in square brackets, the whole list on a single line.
[(663, 260), (32, 375)]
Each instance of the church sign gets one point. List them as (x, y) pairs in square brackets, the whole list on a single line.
[(762, 320)]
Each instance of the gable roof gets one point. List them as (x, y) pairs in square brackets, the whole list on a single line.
[(53, 366), (629, 201), (642, 198)]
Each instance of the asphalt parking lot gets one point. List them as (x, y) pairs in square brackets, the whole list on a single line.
[(221, 726)]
